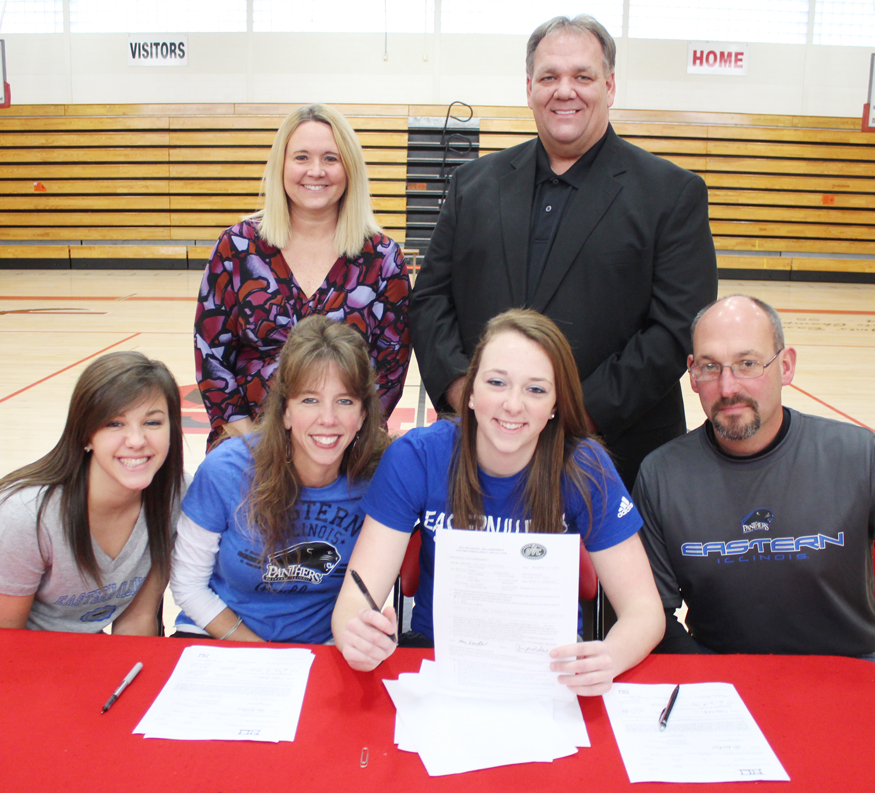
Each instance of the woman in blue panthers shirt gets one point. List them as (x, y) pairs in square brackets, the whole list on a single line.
[(271, 518), (519, 459)]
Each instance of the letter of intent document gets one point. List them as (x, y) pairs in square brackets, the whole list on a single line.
[(711, 736), (502, 601), (231, 694)]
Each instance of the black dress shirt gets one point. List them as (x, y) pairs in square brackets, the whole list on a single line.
[(552, 192)]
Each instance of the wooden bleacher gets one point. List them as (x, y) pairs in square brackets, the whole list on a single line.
[(791, 197), (135, 185)]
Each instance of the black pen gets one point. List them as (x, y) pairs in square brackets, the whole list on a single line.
[(125, 683), (371, 602), (666, 711)]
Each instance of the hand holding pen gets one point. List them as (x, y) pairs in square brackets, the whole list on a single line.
[(371, 602)]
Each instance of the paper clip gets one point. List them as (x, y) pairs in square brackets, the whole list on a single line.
[(364, 759)]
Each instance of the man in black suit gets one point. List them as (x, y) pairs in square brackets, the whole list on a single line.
[(609, 241)]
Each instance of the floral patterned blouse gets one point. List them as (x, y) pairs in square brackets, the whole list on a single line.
[(249, 300)]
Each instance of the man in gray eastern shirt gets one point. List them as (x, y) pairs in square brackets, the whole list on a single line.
[(609, 241), (761, 520)]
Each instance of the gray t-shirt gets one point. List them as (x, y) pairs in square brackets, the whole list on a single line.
[(772, 554), (64, 598)]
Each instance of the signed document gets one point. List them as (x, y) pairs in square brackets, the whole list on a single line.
[(231, 694), (502, 601), (710, 735)]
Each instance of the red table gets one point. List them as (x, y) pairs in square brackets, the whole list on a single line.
[(817, 712)]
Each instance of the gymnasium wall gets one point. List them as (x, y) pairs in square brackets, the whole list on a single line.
[(420, 69)]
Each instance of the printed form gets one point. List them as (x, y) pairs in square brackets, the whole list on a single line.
[(502, 602), (710, 736), (231, 694)]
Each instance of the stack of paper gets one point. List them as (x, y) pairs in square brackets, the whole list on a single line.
[(709, 737), (457, 733), (231, 694), (502, 602)]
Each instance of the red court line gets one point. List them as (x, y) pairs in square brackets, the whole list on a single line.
[(823, 311), (188, 333), (827, 405), (797, 346), (165, 298), (60, 371), (120, 298)]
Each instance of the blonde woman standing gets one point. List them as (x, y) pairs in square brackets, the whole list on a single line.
[(315, 248)]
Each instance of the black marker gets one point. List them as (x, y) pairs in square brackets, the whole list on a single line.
[(371, 602), (125, 683), (666, 711)]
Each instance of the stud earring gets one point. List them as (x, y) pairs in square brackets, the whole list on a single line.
[(471, 404), (552, 416), (87, 450)]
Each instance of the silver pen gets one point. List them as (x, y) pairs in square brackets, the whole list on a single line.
[(129, 677)]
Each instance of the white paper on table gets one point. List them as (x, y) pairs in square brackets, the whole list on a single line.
[(428, 673), (502, 601), (454, 734), (711, 735), (401, 738), (231, 694), (566, 715)]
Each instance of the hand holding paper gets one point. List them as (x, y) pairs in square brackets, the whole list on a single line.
[(587, 668), (502, 603)]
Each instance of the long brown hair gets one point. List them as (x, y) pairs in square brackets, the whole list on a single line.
[(558, 442), (313, 344), (108, 387)]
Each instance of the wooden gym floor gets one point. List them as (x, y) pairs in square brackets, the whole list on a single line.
[(53, 322)]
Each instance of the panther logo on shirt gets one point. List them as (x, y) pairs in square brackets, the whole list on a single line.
[(306, 561), (758, 520)]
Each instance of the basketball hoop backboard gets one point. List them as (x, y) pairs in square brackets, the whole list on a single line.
[(5, 93), (869, 107)]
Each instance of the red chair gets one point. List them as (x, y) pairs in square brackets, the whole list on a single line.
[(408, 577), (589, 589)]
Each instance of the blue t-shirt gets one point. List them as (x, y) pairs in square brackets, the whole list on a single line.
[(290, 597), (410, 486)]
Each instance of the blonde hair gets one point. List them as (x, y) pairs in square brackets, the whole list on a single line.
[(355, 221)]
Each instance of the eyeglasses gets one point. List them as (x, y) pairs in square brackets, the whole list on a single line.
[(743, 370)]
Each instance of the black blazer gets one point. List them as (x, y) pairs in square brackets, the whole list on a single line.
[(632, 263)]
